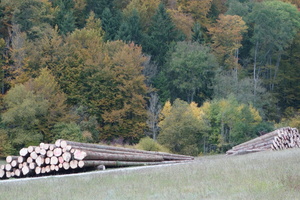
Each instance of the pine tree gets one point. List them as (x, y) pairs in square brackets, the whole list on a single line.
[(130, 30), (197, 35), (64, 16), (110, 23), (162, 32)]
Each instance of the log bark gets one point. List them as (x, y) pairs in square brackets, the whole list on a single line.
[(95, 163), (89, 155), (97, 146)]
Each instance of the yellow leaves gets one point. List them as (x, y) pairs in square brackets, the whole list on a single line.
[(227, 32), (198, 9), (146, 9), (165, 111), (227, 35), (255, 114)]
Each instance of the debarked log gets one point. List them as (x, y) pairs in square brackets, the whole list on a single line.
[(90, 155)]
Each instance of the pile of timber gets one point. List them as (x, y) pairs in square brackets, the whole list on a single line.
[(283, 138), (68, 157)]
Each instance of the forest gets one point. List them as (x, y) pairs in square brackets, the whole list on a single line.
[(195, 76)]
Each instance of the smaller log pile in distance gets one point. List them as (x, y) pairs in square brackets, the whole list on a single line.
[(279, 139), (68, 157)]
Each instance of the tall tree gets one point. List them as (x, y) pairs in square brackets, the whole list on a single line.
[(32, 109), (64, 16), (198, 9), (189, 72), (227, 36), (126, 115), (181, 131), (131, 30), (110, 23), (146, 10), (162, 32), (275, 26)]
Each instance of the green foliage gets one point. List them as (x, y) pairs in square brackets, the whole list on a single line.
[(98, 6), (33, 108), (197, 35), (149, 144), (189, 72), (110, 24), (231, 122), (67, 131), (181, 130), (5, 145), (226, 84), (131, 30), (64, 16), (161, 33), (33, 16)]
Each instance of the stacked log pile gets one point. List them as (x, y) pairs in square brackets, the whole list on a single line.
[(67, 157), (279, 139)]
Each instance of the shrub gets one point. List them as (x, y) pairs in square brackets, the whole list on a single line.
[(149, 144)]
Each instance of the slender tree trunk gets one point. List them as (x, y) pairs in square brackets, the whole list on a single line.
[(276, 71), (255, 76)]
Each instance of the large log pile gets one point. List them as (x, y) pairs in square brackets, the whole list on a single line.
[(67, 157), (279, 139)]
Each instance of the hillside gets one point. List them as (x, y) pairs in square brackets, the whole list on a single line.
[(265, 175)]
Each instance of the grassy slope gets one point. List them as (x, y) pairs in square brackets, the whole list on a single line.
[(267, 175)]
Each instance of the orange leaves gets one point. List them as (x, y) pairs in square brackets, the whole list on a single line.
[(198, 9), (227, 34), (183, 22)]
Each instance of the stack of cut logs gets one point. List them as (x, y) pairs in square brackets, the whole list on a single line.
[(67, 157), (283, 138)]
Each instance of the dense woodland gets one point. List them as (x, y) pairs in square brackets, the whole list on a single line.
[(197, 76)]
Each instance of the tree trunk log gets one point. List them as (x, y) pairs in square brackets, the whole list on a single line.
[(9, 159), (24, 152), (89, 155), (97, 146)]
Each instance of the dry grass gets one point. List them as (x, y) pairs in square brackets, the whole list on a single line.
[(266, 175)]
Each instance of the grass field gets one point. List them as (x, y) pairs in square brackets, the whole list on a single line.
[(265, 175)]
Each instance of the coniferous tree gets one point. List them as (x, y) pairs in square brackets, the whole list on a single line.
[(110, 23), (64, 16), (162, 32), (197, 35), (130, 30)]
